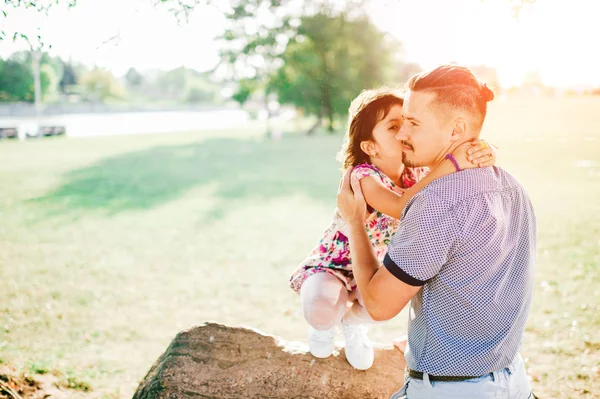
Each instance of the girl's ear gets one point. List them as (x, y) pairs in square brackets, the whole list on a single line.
[(368, 147)]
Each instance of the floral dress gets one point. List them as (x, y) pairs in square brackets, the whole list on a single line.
[(332, 254)]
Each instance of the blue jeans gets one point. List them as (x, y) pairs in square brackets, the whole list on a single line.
[(510, 383)]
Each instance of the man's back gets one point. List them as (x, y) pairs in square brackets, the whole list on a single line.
[(470, 238)]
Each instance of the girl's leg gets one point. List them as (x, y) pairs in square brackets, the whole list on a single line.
[(324, 298), (359, 350), (357, 313)]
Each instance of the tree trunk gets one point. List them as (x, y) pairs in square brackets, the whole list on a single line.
[(216, 361), (314, 127), (37, 56), (269, 133), (330, 127), (328, 107)]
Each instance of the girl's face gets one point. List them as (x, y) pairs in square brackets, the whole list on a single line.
[(384, 149)]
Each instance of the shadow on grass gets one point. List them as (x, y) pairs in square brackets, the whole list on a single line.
[(251, 170)]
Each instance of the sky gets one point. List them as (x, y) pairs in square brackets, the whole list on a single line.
[(557, 38)]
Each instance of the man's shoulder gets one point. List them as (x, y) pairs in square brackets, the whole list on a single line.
[(470, 183)]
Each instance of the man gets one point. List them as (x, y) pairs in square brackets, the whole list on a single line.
[(464, 252)]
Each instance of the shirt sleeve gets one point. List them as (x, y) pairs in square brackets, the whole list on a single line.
[(365, 170), (423, 242)]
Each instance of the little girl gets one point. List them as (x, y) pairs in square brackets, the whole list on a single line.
[(324, 280)]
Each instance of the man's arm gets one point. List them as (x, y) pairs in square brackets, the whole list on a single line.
[(419, 249), (383, 294)]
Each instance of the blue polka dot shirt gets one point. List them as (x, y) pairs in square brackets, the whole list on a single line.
[(469, 239)]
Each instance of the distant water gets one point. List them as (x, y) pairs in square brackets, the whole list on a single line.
[(101, 124)]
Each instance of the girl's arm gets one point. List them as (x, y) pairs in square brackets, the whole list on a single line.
[(391, 203)]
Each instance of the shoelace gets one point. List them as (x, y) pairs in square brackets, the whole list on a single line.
[(352, 331), (321, 336)]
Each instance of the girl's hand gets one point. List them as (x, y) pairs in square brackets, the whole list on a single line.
[(482, 153), (475, 154)]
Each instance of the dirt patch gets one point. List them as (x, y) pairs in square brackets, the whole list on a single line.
[(41, 386)]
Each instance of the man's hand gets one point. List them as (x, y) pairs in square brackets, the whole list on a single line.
[(350, 200)]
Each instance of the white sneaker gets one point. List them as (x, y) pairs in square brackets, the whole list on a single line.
[(321, 343), (359, 349)]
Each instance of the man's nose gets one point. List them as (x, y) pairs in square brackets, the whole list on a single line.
[(401, 135)]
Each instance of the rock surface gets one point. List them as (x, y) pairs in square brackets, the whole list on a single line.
[(217, 361)]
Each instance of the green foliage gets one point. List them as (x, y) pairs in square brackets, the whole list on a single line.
[(250, 52), (49, 81), (42, 367), (173, 84), (329, 62), (183, 85), (182, 8), (101, 85), (198, 95), (133, 78), (42, 6), (69, 77), (316, 57), (16, 81), (245, 89), (16, 78), (75, 383)]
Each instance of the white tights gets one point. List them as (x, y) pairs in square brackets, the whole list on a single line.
[(325, 303)]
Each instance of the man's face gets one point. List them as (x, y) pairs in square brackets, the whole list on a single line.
[(425, 135)]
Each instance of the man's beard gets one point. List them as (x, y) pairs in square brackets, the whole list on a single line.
[(408, 162), (405, 160)]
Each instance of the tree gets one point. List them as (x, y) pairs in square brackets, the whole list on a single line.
[(259, 33), (101, 85), (180, 8), (245, 89), (69, 77), (330, 61), (199, 95), (17, 81), (184, 85), (133, 78), (49, 82), (41, 6), (173, 84), (250, 51)]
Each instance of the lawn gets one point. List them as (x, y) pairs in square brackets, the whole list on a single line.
[(109, 246)]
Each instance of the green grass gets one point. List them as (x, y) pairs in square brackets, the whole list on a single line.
[(110, 246)]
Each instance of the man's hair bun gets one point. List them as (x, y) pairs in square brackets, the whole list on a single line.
[(487, 93)]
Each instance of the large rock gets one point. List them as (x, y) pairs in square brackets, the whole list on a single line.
[(217, 361)]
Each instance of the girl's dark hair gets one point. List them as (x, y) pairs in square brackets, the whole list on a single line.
[(366, 110)]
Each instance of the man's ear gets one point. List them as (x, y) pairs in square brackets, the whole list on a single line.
[(459, 130), (368, 147)]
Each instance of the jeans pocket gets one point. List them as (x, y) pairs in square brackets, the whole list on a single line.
[(402, 392)]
